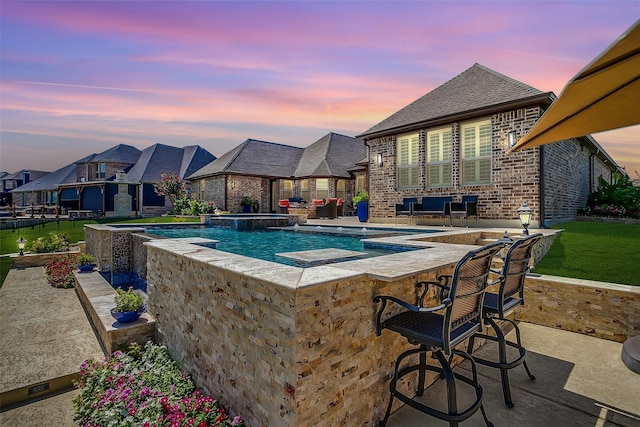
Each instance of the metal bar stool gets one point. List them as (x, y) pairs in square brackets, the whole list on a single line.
[(459, 318), (498, 306)]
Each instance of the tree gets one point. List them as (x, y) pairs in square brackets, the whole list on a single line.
[(171, 186)]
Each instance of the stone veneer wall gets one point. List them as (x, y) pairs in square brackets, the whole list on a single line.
[(603, 310), (278, 353)]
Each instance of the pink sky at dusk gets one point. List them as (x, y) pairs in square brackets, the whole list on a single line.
[(80, 77)]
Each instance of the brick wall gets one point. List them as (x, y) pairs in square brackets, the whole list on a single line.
[(259, 188), (516, 176)]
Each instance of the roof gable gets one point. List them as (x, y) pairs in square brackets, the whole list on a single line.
[(474, 89), (50, 181), (255, 157), (331, 155), (160, 158), (120, 153)]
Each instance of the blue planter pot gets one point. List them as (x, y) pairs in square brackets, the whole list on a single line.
[(127, 316), (363, 211), (246, 209), (88, 267)]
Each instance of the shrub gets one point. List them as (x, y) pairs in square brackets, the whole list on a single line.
[(143, 387), (128, 301), (362, 196), (60, 272), (618, 198), (50, 243), (85, 259)]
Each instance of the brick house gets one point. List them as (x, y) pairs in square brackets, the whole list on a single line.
[(455, 141), (11, 181), (267, 172)]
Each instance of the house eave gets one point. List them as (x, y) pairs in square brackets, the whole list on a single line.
[(544, 99)]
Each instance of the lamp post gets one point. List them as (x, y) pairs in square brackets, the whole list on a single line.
[(21, 242), (525, 213)]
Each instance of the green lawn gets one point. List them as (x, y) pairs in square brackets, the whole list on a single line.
[(584, 250), (73, 229), (595, 251)]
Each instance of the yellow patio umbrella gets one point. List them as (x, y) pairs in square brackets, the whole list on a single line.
[(605, 95)]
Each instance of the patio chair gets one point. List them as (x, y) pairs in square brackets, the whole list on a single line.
[(405, 208), (283, 206), (328, 210), (439, 330), (465, 209), (498, 305)]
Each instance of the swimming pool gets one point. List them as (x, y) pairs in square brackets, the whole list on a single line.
[(265, 244)]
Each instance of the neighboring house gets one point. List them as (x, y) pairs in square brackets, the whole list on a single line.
[(93, 188), (266, 172), (119, 182), (44, 190), (9, 182), (455, 141)]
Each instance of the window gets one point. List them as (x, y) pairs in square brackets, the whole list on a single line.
[(407, 169), (439, 158), (360, 184), (476, 153), (287, 189), (322, 188), (304, 190), (340, 189), (201, 188), (101, 170)]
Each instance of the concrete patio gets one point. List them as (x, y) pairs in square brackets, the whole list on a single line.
[(581, 380)]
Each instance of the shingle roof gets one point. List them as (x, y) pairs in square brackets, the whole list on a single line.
[(160, 158), (331, 155), (474, 89), (33, 174), (194, 158), (254, 157), (50, 182), (120, 153)]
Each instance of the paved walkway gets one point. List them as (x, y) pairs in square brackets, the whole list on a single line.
[(45, 337)]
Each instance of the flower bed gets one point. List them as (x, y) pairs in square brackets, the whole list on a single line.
[(60, 272), (144, 387)]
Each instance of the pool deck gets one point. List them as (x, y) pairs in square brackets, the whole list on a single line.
[(581, 380)]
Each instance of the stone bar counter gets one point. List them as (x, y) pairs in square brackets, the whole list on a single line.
[(283, 345)]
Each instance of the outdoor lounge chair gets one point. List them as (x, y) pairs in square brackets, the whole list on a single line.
[(328, 210), (438, 330), (405, 208), (468, 207), (497, 306), (339, 205), (283, 206), (431, 206)]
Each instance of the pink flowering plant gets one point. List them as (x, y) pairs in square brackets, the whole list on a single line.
[(144, 387), (60, 272)]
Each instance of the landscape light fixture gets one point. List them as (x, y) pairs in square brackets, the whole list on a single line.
[(508, 241), (512, 138), (525, 213), (379, 159), (21, 242)]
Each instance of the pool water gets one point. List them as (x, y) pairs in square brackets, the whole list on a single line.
[(264, 244)]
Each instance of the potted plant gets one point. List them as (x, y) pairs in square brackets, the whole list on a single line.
[(361, 203), (85, 262), (246, 203), (129, 306)]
